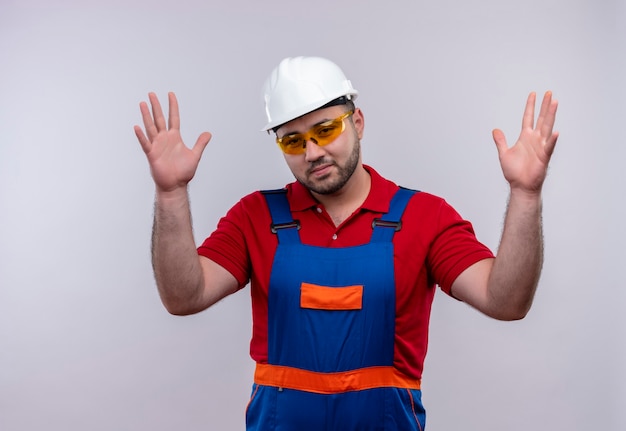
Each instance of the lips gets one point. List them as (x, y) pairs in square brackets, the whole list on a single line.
[(320, 170)]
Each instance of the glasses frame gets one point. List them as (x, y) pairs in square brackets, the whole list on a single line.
[(311, 134)]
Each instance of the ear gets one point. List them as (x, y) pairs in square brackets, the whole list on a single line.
[(359, 122)]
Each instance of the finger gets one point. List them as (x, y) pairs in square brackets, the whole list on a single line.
[(545, 107), (201, 143), (528, 120), (148, 122), (547, 122), (157, 112), (551, 143), (174, 117), (143, 140), (500, 140)]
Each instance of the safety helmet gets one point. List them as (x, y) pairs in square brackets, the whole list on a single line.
[(300, 85)]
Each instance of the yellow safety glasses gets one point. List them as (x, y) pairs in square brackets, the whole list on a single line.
[(322, 134)]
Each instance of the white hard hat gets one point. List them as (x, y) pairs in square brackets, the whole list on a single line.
[(301, 85)]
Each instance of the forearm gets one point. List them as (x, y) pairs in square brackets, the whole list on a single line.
[(175, 261), (516, 270)]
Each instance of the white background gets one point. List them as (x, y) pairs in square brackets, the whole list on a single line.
[(85, 343)]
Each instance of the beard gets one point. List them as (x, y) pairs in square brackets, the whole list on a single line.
[(344, 173)]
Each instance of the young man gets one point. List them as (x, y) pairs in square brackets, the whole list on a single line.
[(342, 263)]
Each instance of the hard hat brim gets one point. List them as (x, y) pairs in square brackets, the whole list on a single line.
[(308, 109)]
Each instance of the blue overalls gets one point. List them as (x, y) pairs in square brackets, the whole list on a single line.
[(331, 323)]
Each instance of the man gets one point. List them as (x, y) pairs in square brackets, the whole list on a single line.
[(342, 263)]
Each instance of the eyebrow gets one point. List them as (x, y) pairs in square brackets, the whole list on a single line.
[(314, 125)]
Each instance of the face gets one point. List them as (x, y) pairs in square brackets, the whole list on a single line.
[(325, 170)]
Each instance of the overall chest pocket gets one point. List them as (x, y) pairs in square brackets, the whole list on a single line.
[(318, 297)]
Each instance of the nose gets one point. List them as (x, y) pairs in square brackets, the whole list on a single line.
[(312, 151)]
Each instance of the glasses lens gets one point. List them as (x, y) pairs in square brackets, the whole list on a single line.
[(292, 144), (322, 134), (326, 132)]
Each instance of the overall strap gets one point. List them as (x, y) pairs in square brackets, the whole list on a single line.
[(386, 226), (283, 223)]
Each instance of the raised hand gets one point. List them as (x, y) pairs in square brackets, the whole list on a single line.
[(172, 164), (525, 164)]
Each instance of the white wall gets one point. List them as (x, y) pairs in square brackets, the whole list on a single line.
[(84, 341)]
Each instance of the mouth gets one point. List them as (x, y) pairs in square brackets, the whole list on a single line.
[(320, 170)]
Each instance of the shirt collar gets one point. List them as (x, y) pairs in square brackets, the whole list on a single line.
[(300, 199)]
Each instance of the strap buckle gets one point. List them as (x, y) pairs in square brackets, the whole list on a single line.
[(275, 227), (397, 225)]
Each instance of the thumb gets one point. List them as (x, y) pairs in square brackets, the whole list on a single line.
[(500, 140), (201, 143)]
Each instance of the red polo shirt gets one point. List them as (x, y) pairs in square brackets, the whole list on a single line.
[(433, 247)]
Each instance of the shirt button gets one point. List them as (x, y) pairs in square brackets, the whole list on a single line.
[(319, 210), (335, 236)]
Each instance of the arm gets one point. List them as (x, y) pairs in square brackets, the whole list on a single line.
[(504, 287), (187, 283)]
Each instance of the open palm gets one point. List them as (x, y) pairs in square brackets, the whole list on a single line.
[(172, 163), (525, 164)]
